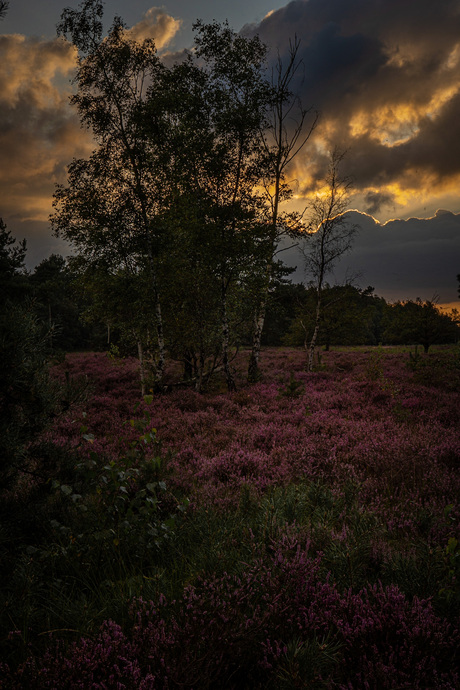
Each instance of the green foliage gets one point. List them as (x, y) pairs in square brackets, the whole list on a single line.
[(28, 398), (415, 359), (57, 303), (293, 389), (306, 662), (283, 298), (451, 559), (116, 510), (374, 366), (13, 284), (349, 316), (103, 528), (419, 322), (439, 369)]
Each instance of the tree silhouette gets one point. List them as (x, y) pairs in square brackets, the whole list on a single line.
[(289, 126), (110, 207), (177, 164), (3, 8), (330, 235)]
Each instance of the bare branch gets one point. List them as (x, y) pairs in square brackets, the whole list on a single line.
[(4, 4), (329, 235)]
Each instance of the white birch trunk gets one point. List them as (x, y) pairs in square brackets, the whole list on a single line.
[(231, 386), (140, 354), (311, 349), (259, 320)]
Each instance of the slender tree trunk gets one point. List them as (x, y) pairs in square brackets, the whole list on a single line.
[(199, 379), (140, 353), (311, 349), (160, 364), (260, 312), (286, 144), (258, 325), (50, 322), (188, 365), (231, 386), (161, 360)]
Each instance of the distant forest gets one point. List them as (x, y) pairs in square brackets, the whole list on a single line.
[(74, 317)]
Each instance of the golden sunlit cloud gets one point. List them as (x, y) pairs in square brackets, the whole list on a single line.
[(30, 66), (453, 59), (155, 24), (39, 132), (389, 125), (395, 124)]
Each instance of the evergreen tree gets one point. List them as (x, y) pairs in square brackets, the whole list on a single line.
[(3, 8), (56, 303), (28, 398), (13, 279)]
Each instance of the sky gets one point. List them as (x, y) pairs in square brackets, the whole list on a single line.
[(384, 75)]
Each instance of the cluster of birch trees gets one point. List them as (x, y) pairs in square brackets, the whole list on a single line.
[(177, 215)]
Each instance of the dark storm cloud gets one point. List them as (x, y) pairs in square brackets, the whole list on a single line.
[(385, 75), (39, 132), (405, 259), (374, 201), (401, 259), (437, 144)]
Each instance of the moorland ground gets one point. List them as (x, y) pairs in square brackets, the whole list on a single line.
[(301, 532)]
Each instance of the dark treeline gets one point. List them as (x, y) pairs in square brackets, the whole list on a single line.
[(355, 316), (77, 315)]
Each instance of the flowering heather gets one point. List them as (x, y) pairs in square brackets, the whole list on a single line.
[(363, 419), (360, 419), (254, 629), (320, 545)]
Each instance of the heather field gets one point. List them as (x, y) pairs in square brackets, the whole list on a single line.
[(301, 532)]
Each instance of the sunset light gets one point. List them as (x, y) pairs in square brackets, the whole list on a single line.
[(386, 92), (230, 345)]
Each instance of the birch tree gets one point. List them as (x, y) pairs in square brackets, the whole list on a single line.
[(329, 236), (112, 203), (240, 96), (219, 105), (288, 128)]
